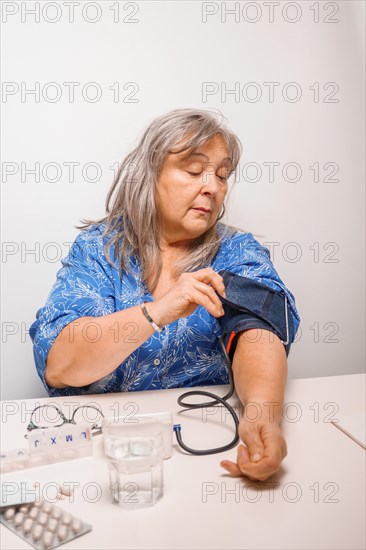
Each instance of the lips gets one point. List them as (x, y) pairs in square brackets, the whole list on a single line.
[(202, 209)]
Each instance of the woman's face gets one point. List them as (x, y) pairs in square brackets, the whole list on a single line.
[(191, 190)]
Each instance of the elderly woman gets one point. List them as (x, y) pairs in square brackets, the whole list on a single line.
[(139, 303)]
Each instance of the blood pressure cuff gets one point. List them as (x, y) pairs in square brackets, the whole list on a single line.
[(251, 304)]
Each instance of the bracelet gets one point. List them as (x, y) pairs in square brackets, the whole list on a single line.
[(155, 326)]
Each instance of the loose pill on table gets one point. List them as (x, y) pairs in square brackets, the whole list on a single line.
[(42, 518), (9, 513), (76, 526), (67, 491), (47, 539), (18, 519), (27, 526), (62, 532)]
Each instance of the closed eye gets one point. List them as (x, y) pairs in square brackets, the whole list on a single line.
[(222, 178)]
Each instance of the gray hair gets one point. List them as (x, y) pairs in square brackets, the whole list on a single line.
[(131, 224)]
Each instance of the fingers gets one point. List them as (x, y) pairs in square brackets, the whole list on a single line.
[(206, 282), (274, 443), (200, 289), (193, 289), (273, 451), (242, 467), (209, 276), (231, 467), (259, 471), (207, 297), (254, 444), (234, 467)]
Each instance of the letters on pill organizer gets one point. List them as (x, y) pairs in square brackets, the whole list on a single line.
[(49, 445), (60, 439)]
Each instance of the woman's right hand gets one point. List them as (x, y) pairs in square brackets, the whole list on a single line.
[(189, 291)]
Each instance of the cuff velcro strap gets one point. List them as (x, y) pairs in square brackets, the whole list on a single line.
[(255, 301)]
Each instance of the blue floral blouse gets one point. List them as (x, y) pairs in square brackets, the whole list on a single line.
[(186, 354)]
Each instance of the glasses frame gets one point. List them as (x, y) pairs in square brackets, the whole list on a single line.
[(95, 428)]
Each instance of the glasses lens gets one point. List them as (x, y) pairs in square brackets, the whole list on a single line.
[(47, 416), (87, 414)]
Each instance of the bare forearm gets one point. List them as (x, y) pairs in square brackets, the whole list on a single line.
[(260, 370), (90, 348), (87, 356)]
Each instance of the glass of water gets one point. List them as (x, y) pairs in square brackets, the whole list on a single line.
[(134, 452)]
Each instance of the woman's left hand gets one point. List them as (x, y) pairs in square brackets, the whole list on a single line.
[(264, 451)]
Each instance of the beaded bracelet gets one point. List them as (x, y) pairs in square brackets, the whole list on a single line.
[(155, 326)]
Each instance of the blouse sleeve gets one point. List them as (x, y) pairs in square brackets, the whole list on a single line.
[(83, 288), (245, 256)]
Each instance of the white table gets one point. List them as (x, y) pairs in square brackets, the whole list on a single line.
[(317, 500)]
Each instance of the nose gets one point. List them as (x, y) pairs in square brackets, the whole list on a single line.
[(210, 182)]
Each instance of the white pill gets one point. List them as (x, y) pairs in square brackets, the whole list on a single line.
[(47, 539), (37, 532), (33, 512), (66, 519), (67, 491), (47, 507), (27, 526), (38, 503), (18, 519), (9, 513), (42, 519), (62, 532), (52, 525), (76, 526), (56, 512), (23, 509)]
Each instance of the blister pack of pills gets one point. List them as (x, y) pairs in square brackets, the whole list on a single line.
[(42, 524)]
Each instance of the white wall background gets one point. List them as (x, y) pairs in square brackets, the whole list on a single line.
[(169, 52)]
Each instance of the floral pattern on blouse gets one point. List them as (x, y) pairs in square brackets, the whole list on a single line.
[(186, 354)]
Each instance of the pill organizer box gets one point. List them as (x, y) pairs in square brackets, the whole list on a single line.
[(47, 446)]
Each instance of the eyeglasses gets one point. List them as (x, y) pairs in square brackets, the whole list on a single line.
[(59, 419)]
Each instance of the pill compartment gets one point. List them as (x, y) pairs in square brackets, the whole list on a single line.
[(43, 525)]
